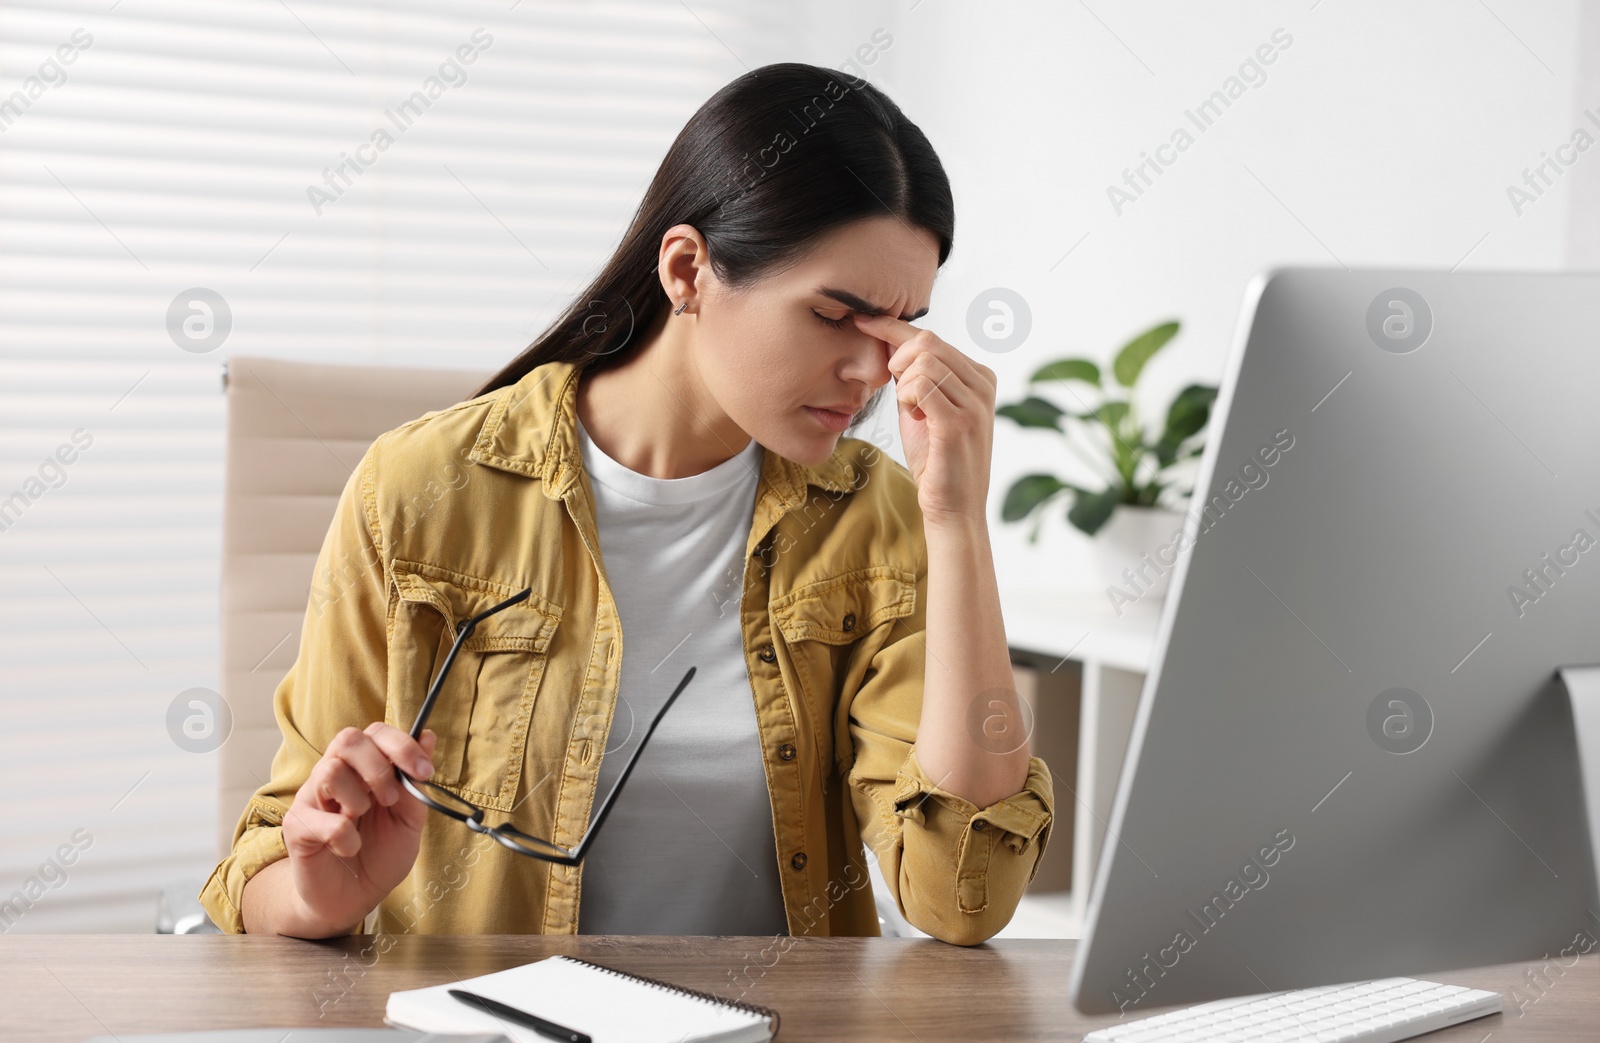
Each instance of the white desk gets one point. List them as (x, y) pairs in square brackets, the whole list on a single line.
[(1113, 653)]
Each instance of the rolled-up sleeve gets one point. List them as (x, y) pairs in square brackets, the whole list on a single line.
[(956, 871), (338, 678), (978, 861)]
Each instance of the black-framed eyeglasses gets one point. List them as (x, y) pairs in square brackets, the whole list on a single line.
[(463, 810)]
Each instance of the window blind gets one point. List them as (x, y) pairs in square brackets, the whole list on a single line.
[(407, 183)]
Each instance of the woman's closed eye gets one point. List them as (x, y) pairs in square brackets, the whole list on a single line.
[(835, 323)]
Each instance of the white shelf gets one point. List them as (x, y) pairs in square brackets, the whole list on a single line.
[(1114, 650), (1081, 626)]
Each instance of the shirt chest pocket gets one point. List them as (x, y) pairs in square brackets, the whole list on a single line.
[(485, 706), (823, 622), (841, 609)]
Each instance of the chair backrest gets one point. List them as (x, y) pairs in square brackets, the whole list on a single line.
[(296, 431)]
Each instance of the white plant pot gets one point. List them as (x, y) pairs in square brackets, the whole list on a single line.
[(1143, 540)]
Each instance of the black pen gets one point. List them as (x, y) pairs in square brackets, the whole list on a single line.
[(520, 1017)]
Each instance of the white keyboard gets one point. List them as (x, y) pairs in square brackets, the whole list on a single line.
[(1360, 1012)]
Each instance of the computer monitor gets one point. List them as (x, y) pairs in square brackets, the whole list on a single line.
[(1353, 757)]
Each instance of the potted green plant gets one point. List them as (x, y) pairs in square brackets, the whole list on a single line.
[(1140, 501)]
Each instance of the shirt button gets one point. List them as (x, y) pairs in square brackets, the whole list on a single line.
[(849, 621), (978, 824), (767, 654), (786, 751), (799, 860)]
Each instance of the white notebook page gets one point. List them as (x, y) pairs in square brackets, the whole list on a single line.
[(609, 1007)]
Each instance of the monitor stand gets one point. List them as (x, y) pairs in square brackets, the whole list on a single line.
[(1582, 684)]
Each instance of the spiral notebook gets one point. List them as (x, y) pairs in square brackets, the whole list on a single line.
[(611, 1006)]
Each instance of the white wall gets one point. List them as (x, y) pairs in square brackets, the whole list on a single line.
[(1583, 227), (1384, 134)]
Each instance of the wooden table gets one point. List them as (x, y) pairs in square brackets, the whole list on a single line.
[(71, 987)]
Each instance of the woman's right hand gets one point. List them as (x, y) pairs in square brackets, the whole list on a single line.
[(353, 831)]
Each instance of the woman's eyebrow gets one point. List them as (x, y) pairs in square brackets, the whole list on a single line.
[(854, 303)]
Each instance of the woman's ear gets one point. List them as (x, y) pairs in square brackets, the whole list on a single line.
[(684, 265)]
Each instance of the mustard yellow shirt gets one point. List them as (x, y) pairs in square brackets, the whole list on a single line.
[(463, 507)]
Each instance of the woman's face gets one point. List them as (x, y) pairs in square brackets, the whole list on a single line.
[(768, 351)]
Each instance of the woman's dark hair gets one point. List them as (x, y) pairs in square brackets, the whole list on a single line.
[(766, 167)]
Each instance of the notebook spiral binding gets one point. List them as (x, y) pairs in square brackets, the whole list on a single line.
[(711, 997)]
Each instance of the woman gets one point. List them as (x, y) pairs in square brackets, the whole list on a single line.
[(664, 465)]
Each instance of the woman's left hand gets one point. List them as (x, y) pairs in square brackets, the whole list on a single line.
[(946, 405)]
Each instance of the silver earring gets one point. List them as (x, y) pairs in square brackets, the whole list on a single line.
[(682, 306)]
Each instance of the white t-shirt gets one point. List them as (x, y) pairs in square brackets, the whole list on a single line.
[(689, 847)]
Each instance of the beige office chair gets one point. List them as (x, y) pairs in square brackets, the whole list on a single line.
[(296, 430)]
